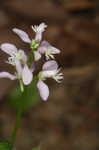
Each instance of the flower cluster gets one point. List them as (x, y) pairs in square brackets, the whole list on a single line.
[(19, 59)]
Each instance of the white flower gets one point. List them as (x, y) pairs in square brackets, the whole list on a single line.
[(18, 59), (48, 50), (36, 41), (14, 53), (37, 46), (23, 73), (49, 70), (39, 29)]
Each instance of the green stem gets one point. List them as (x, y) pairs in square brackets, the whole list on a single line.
[(21, 86), (17, 124)]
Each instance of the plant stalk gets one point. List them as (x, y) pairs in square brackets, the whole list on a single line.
[(17, 124)]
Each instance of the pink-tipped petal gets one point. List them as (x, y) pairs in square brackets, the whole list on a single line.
[(50, 65), (27, 75), (37, 55), (43, 90), (23, 35), (7, 75), (8, 48)]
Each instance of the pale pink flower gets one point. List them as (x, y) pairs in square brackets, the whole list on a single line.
[(18, 59), (48, 50), (14, 53), (38, 37), (39, 29), (49, 70), (40, 47)]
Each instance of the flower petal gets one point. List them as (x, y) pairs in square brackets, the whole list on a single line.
[(8, 48), (50, 65), (23, 35), (43, 47), (46, 46), (43, 90), (48, 74), (27, 75), (39, 29), (54, 50), (37, 55), (23, 55), (18, 68), (38, 36), (7, 75)]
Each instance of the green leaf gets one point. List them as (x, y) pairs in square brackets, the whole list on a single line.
[(23, 101), (5, 145)]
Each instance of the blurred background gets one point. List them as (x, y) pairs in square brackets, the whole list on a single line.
[(69, 120)]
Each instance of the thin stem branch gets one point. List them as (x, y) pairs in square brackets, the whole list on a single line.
[(17, 124), (21, 86)]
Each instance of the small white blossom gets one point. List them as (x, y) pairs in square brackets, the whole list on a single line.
[(33, 42), (39, 29), (19, 60), (49, 70), (14, 53), (48, 50)]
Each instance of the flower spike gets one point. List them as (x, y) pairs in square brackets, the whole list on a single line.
[(25, 67)]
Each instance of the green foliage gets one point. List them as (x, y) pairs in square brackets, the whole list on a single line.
[(23, 101), (5, 146), (36, 148)]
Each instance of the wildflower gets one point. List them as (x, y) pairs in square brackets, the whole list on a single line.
[(39, 30), (49, 70), (14, 53), (48, 50), (34, 44), (19, 60)]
